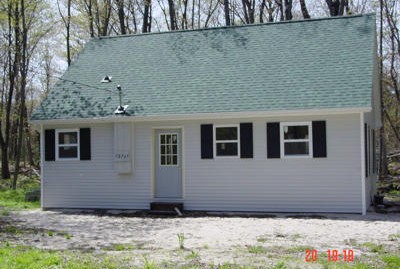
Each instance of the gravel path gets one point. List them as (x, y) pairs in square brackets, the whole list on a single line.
[(218, 239)]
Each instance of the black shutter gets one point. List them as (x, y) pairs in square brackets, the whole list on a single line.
[(84, 144), (273, 140), (246, 140), (366, 148), (373, 152), (319, 139), (50, 145), (206, 141)]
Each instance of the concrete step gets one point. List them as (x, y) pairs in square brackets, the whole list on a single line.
[(165, 206)]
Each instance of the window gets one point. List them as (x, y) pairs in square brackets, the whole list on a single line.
[(226, 141), (168, 149), (67, 144), (296, 139)]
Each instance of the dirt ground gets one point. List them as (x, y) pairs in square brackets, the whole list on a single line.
[(211, 239)]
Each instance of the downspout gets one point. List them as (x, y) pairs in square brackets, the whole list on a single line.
[(363, 190)]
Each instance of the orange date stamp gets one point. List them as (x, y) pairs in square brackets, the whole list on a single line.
[(333, 255)]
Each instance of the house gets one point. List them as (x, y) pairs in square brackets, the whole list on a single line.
[(276, 117)]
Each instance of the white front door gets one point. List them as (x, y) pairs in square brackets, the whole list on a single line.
[(168, 163)]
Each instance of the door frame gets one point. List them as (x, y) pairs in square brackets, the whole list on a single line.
[(153, 162)]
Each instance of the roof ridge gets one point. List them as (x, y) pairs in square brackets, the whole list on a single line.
[(238, 26)]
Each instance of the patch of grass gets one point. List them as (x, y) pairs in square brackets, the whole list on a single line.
[(394, 237), (257, 249), (295, 236), (392, 261), (193, 255), (10, 229), (262, 239), (22, 257), (280, 235), (181, 240), (147, 264), (350, 242), (299, 249), (394, 192), (375, 248), (119, 247), (50, 233), (15, 199), (280, 265)]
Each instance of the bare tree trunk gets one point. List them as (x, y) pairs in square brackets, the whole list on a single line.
[(146, 16), (22, 108), (304, 9), (184, 15), (67, 24), (280, 7), (336, 7), (121, 16), (89, 7), (288, 10), (262, 6), (193, 3), (172, 16)]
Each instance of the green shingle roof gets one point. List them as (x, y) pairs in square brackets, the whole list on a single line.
[(313, 64)]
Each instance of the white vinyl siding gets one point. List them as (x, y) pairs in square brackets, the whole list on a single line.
[(331, 184)]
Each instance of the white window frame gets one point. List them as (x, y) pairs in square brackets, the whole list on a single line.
[(58, 145), (283, 140), (215, 141), (177, 148)]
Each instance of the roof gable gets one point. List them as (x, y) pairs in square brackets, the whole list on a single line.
[(313, 64)]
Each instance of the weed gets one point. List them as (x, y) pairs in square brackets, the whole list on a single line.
[(148, 264), (15, 199), (297, 249), (50, 233), (280, 265), (374, 247), (350, 242), (280, 235), (193, 255), (257, 249), (12, 230), (181, 240), (392, 261), (205, 246), (394, 237), (262, 239), (67, 236), (119, 247), (295, 236)]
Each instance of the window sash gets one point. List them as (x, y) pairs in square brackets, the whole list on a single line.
[(72, 145), (168, 158), (220, 141), (303, 140)]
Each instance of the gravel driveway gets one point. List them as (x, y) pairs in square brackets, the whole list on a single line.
[(216, 239)]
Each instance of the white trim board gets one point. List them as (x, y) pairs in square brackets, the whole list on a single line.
[(209, 116)]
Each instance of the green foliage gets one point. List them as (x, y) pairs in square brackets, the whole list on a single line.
[(181, 240), (193, 255), (280, 265), (394, 237), (119, 247), (148, 264), (257, 249), (15, 199), (375, 248), (392, 261)]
